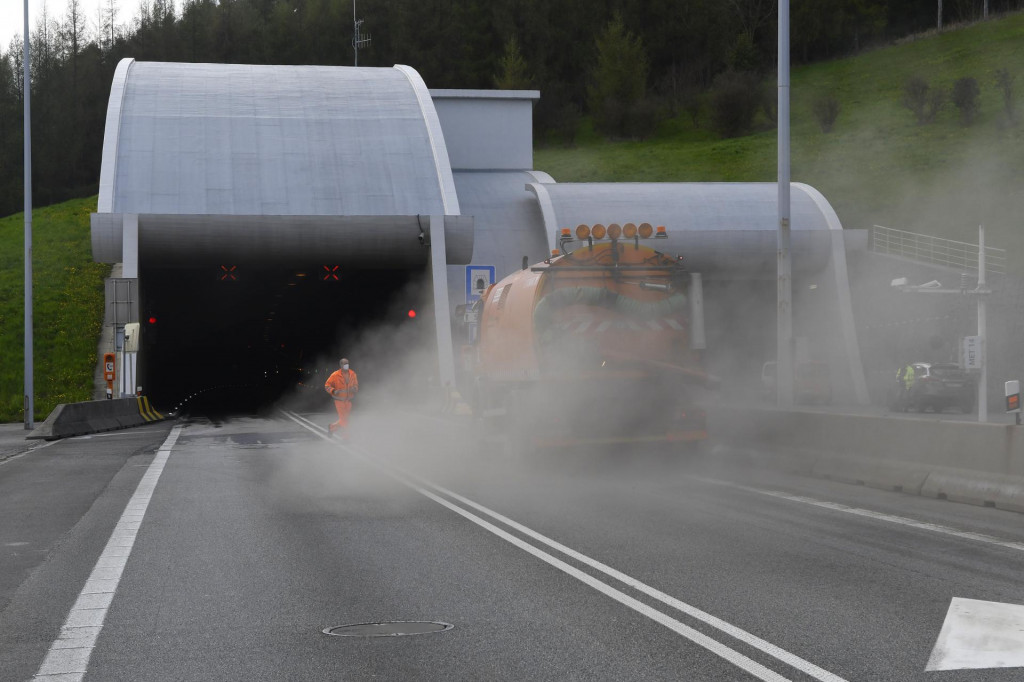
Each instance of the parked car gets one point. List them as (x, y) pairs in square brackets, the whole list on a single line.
[(936, 387), (812, 382)]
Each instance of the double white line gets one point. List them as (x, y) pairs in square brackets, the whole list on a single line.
[(461, 505)]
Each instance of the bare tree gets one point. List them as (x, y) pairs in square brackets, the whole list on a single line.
[(43, 42), (106, 24), (16, 52), (73, 37), (112, 12), (754, 14)]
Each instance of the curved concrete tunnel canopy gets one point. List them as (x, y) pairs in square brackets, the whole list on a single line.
[(728, 232), (271, 146), (240, 139), (723, 230)]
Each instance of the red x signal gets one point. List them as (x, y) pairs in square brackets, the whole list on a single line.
[(330, 274), (229, 273)]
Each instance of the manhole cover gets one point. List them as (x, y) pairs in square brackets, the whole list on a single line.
[(391, 628)]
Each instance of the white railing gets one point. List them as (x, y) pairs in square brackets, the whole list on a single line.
[(936, 250)]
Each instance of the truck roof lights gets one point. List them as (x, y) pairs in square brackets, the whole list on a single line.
[(613, 231)]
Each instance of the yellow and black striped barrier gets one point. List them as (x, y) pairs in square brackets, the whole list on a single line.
[(147, 411)]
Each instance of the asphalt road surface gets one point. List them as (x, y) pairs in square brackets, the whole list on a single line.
[(222, 551)]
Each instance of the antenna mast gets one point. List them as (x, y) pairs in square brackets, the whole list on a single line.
[(358, 40)]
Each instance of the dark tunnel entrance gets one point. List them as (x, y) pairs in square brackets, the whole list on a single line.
[(233, 340)]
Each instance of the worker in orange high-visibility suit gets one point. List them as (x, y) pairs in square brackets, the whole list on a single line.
[(342, 385)]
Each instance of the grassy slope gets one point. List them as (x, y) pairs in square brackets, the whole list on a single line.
[(878, 166), (68, 307)]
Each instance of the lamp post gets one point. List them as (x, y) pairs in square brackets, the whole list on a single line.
[(29, 361), (982, 326), (784, 316)]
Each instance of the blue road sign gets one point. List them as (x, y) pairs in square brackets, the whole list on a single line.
[(478, 278)]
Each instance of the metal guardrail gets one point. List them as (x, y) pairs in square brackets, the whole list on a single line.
[(936, 250)]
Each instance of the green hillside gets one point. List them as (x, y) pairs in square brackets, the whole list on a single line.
[(68, 301), (878, 166)]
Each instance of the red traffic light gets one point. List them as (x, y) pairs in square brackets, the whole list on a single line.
[(152, 319), (412, 313)]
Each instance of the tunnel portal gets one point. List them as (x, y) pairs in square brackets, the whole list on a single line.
[(232, 339)]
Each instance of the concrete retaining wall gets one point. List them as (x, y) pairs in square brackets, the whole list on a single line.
[(77, 419), (962, 461)]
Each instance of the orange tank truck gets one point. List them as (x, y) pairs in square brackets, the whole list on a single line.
[(590, 346)]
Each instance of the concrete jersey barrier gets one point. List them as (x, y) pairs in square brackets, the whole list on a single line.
[(962, 461), (77, 419)]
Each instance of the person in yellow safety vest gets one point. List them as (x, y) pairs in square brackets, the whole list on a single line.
[(908, 377), (342, 386)]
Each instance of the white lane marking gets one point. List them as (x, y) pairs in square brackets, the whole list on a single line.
[(877, 516), (979, 634), (106, 434), (68, 657), (408, 478), (32, 449)]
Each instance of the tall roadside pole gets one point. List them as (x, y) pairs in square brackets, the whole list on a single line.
[(982, 324), (784, 325), (29, 361)]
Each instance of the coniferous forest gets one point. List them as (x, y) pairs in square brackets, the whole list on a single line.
[(625, 63)]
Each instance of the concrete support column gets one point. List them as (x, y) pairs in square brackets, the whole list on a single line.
[(130, 245), (130, 272), (442, 311)]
